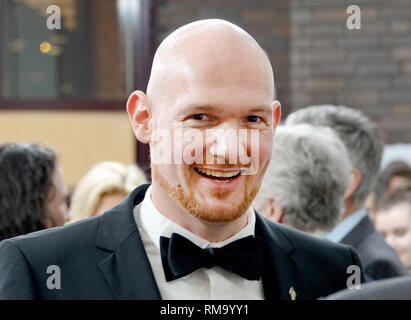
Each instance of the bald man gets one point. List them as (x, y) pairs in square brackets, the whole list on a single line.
[(191, 234)]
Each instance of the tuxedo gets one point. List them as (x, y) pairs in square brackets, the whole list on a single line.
[(104, 258)]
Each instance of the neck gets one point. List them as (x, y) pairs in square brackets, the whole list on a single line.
[(210, 231), (350, 208)]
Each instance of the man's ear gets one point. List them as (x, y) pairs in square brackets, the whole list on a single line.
[(354, 182), (273, 211), (278, 213), (139, 111), (276, 113)]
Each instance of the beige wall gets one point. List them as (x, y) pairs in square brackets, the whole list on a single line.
[(80, 138)]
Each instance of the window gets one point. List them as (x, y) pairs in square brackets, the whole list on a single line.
[(102, 51)]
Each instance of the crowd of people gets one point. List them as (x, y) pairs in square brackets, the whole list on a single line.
[(317, 203)]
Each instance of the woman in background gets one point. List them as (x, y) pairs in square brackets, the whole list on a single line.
[(105, 185), (33, 194), (393, 220)]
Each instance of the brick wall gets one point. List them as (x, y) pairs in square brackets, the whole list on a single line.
[(368, 69)]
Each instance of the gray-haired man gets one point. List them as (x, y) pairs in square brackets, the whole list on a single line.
[(364, 145), (305, 182)]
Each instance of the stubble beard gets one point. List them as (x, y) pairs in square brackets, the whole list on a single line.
[(207, 213)]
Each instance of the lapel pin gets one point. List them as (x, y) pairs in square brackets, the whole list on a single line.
[(292, 293)]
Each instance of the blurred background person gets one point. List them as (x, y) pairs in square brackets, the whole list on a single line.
[(32, 190), (364, 144), (104, 186), (393, 220), (306, 180), (395, 175)]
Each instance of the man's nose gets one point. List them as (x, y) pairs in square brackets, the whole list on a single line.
[(226, 144)]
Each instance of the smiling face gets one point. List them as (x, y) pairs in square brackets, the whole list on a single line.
[(216, 190), (210, 84), (395, 225)]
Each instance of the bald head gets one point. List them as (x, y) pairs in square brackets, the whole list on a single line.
[(207, 52)]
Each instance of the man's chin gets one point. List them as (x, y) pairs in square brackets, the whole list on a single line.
[(218, 213), (217, 206)]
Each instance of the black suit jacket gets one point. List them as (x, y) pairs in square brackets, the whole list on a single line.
[(379, 260), (104, 258)]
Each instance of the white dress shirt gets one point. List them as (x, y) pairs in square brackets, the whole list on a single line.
[(215, 283)]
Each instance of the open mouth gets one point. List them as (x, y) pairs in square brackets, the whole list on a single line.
[(219, 176)]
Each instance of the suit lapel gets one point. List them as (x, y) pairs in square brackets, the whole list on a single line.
[(280, 270), (126, 268)]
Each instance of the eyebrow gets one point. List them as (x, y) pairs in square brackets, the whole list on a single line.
[(199, 108), (260, 109)]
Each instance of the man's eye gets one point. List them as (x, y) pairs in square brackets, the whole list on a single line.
[(199, 116), (254, 119)]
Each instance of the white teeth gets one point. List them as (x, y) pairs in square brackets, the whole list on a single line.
[(219, 173)]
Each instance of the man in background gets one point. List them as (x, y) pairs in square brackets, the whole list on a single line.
[(362, 139), (306, 180)]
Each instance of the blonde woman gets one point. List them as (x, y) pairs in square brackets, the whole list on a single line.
[(104, 186)]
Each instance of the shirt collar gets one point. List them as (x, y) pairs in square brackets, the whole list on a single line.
[(346, 225), (156, 224)]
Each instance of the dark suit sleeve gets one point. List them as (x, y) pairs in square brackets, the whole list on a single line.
[(16, 282)]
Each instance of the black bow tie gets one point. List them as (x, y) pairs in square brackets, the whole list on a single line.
[(181, 257)]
